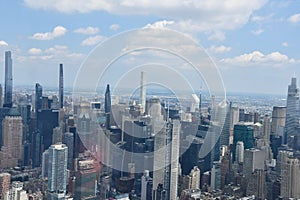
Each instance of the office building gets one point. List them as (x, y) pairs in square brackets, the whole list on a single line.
[(38, 97), (292, 109), (253, 159), (16, 192), (290, 178), (239, 152), (68, 139), (57, 171), (242, 132), (278, 119), (4, 184), (8, 80), (86, 179), (11, 151)]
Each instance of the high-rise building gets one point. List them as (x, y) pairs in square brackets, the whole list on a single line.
[(278, 119), (290, 178), (242, 132), (57, 171), (68, 139), (86, 179), (256, 185), (143, 92), (107, 106), (8, 80), (57, 135), (174, 162), (195, 178), (61, 86), (292, 109), (267, 128), (38, 97), (239, 152), (4, 184), (11, 151), (16, 192), (253, 159), (146, 188), (215, 179), (1, 93)]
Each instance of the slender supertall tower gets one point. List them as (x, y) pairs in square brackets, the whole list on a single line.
[(292, 109), (61, 86), (1, 96), (8, 80), (107, 106), (143, 92)]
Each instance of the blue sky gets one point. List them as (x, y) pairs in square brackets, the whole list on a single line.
[(255, 44)]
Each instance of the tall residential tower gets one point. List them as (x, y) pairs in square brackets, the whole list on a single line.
[(61, 86), (8, 80)]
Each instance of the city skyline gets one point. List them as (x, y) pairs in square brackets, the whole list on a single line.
[(260, 48)]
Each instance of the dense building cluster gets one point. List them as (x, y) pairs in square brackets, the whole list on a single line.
[(148, 148)]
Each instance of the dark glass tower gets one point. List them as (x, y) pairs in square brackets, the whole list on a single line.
[(61, 86), (8, 80), (38, 97), (107, 106)]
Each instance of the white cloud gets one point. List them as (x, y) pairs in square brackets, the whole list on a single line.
[(160, 24), (217, 35), (114, 27), (58, 31), (57, 53), (294, 18), (258, 58), (285, 44), (87, 31), (90, 41), (35, 51), (200, 14), (219, 49), (257, 32), (259, 19), (3, 43)]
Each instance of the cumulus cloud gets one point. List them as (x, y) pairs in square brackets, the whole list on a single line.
[(35, 51), (114, 27), (257, 32), (58, 31), (294, 18), (219, 49), (258, 58), (199, 14), (87, 31), (3, 43), (90, 41), (160, 24)]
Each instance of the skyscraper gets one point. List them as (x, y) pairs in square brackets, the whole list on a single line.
[(38, 97), (107, 106), (1, 93), (4, 184), (8, 80), (57, 171), (143, 92), (61, 86), (12, 139), (290, 182), (292, 109)]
